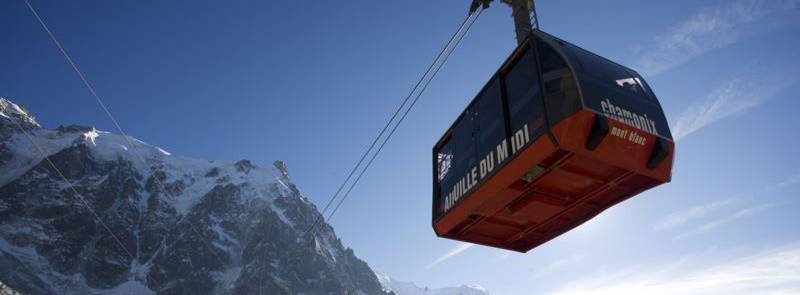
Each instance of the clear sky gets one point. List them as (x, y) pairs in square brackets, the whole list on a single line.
[(310, 82)]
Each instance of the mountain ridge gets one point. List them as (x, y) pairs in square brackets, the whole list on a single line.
[(187, 225)]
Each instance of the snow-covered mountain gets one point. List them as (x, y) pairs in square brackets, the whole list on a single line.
[(405, 288), (188, 226)]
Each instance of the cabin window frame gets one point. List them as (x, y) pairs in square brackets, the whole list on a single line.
[(539, 94), (468, 114), (501, 78)]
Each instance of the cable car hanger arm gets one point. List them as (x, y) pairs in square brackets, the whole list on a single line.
[(520, 10)]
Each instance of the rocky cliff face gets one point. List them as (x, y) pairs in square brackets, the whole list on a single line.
[(120, 216)]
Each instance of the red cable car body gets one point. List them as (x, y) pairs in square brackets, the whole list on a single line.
[(557, 136)]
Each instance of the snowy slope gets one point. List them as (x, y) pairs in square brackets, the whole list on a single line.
[(405, 288), (188, 226)]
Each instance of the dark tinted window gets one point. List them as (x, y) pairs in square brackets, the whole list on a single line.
[(455, 157), (464, 147), (609, 72), (488, 118), (561, 91), (554, 69), (524, 97), (550, 60)]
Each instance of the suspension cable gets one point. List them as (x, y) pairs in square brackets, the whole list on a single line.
[(389, 123), (108, 113), (407, 111), (427, 74)]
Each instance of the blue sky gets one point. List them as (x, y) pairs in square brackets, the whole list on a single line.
[(311, 83)]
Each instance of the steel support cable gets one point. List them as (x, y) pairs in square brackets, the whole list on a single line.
[(113, 120), (103, 106), (47, 158), (411, 106), (87, 84), (388, 123)]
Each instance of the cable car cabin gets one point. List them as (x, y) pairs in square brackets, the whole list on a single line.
[(556, 136)]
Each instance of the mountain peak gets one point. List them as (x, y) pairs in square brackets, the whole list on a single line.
[(247, 218), (244, 166), (281, 166), (13, 112)]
